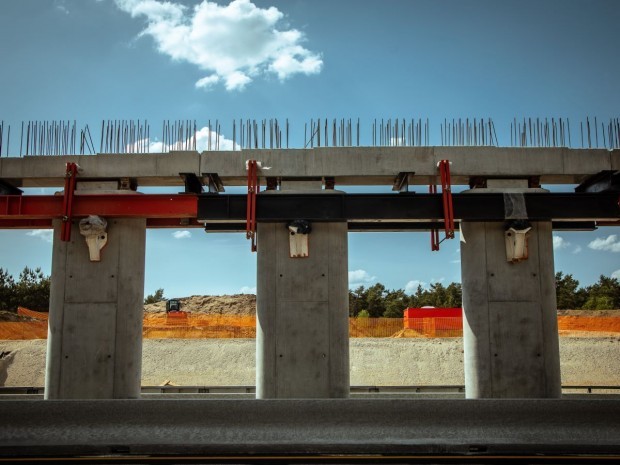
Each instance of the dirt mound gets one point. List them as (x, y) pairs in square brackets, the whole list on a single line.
[(592, 313), (230, 305)]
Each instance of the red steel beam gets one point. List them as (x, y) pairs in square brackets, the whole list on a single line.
[(37, 211)]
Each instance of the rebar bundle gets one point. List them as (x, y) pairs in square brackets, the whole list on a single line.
[(54, 138), (124, 136), (468, 132), (181, 135), (253, 134), (64, 137), (2, 137)]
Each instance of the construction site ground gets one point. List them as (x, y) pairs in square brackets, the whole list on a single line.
[(593, 361), (215, 346)]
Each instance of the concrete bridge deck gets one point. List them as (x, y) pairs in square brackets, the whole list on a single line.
[(348, 165)]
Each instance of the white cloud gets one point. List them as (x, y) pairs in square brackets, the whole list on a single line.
[(45, 235), (412, 286), (185, 234), (611, 244), (359, 278), (247, 290), (616, 274), (60, 6), (233, 43), (202, 140), (202, 143), (455, 261), (208, 81), (560, 243), (577, 249)]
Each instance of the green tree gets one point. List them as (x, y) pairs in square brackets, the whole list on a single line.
[(603, 295), (363, 314), (7, 290), (599, 303), (454, 295), (32, 290), (437, 295), (568, 294), (357, 300), (376, 300), (158, 296), (396, 302), (419, 298)]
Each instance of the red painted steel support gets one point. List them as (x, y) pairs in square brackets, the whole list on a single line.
[(446, 190), (67, 201), (432, 189), (38, 211), (448, 211), (253, 189)]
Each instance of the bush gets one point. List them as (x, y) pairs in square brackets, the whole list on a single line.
[(157, 297)]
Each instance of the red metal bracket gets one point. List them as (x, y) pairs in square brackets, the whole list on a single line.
[(432, 189), (253, 189), (446, 190), (67, 201), (448, 212)]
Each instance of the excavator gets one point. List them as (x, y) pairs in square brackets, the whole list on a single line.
[(174, 314)]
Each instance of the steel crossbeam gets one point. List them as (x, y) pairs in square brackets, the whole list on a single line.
[(362, 211)]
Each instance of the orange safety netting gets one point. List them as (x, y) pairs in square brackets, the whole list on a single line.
[(374, 327), (12, 330), (432, 327), (32, 314), (195, 326), (188, 326), (606, 324)]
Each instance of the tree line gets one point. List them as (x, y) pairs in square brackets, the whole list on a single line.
[(377, 301), (32, 290)]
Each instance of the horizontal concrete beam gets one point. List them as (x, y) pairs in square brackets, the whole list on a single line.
[(348, 165), (310, 428)]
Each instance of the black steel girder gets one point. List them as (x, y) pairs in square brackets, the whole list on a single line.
[(406, 208), (392, 226)]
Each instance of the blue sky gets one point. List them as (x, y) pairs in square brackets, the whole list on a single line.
[(92, 60)]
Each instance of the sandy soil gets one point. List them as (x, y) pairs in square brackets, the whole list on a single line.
[(373, 361)]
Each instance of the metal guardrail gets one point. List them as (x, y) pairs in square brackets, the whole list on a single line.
[(166, 431), (427, 389)]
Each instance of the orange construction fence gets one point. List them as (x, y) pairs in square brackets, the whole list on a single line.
[(23, 311), (217, 326)]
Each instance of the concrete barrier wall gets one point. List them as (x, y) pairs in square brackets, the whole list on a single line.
[(373, 361)]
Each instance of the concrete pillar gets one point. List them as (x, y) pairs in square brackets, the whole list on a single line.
[(94, 346), (510, 331), (302, 330)]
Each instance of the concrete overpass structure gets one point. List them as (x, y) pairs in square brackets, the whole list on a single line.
[(347, 165), (510, 333)]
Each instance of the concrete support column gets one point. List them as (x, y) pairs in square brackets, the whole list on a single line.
[(302, 330), (94, 346), (510, 331)]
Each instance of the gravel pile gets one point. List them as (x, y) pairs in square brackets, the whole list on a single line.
[(234, 305)]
